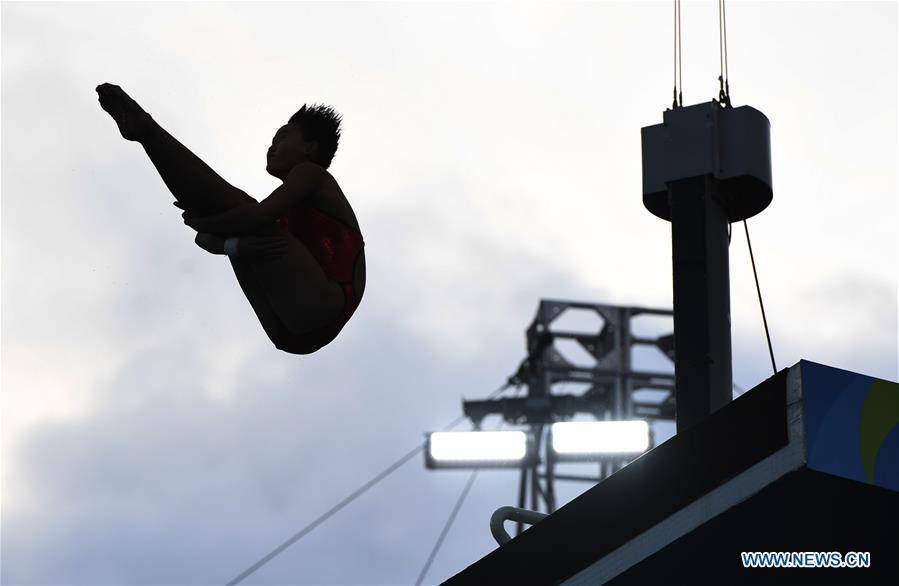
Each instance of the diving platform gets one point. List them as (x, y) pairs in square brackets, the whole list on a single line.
[(807, 461)]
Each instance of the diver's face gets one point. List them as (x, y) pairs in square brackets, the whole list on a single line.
[(288, 149)]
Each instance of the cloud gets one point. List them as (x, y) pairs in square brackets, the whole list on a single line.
[(849, 322), (161, 470)]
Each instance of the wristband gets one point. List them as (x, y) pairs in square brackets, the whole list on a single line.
[(231, 246)]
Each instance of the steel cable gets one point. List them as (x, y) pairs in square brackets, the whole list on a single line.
[(336, 508)]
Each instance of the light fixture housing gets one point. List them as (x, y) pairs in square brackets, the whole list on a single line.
[(478, 449), (595, 440)]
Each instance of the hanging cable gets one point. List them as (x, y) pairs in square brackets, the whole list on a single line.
[(452, 518), (724, 85), (678, 61), (680, 58), (358, 492), (720, 53), (449, 522), (759, 290), (446, 527), (674, 53), (724, 23), (300, 534)]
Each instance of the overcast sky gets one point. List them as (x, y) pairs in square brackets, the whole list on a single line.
[(151, 434)]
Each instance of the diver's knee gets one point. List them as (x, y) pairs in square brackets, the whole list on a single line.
[(298, 350), (290, 350), (287, 343)]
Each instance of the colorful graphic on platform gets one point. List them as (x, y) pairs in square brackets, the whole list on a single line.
[(880, 432), (851, 424)]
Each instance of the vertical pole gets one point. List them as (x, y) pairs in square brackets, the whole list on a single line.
[(702, 350), (550, 480), (522, 493), (618, 405), (535, 478), (625, 368)]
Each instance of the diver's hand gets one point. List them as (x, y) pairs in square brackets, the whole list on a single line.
[(190, 218), (250, 247), (200, 224), (210, 243)]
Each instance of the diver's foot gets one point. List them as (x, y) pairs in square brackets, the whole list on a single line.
[(134, 123)]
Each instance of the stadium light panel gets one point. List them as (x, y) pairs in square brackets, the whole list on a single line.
[(466, 449), (586, 439)]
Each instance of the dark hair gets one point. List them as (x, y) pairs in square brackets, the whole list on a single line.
[(320, 124)]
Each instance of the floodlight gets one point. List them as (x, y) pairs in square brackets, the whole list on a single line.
[(593, 439), (468, 449)]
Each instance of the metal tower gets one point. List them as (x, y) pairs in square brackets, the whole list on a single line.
[(611, 379)]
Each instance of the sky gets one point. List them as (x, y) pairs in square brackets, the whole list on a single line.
[(151, 433)]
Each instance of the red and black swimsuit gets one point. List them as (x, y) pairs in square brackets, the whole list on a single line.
[(334, 244)]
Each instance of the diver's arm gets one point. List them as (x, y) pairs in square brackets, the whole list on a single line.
[(303, 180), (238, 220), (210, 243)]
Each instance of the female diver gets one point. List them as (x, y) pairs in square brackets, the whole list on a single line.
[(297, 254)]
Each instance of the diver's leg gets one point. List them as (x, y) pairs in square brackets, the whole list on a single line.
[(298, 290), (269, 320), (193, 183), (282, 338)]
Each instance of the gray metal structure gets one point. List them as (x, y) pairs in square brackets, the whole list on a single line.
[(611, 379), (705, 166)]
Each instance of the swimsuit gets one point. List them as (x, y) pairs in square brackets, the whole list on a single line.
[(334, 244)]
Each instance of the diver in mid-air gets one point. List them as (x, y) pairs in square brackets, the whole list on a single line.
[(298, 254)]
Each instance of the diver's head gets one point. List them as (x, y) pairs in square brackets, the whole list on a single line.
[(311, 134)]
